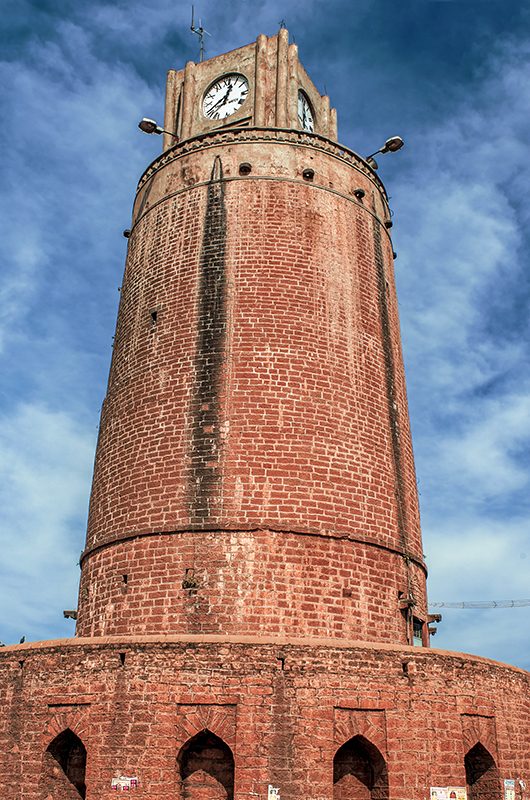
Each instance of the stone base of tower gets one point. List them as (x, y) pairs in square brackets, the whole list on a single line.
[(210, 717)]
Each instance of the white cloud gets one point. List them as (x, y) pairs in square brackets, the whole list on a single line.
[(45, 465), (462, 270), (62, 167), (75, 119), (485, 454)]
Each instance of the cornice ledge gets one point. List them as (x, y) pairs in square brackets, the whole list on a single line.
[(418, 654), (279, 135)]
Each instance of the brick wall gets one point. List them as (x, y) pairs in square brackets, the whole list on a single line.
[(233, 581), (266, 393), (174, 712)]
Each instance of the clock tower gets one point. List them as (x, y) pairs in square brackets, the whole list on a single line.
[(252, 620), (254, 467)]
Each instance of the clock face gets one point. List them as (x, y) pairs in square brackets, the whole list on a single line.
[(225, 96), (305, 115)]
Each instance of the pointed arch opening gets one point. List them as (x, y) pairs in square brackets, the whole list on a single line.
[(482, 775), (65, 767), (206, 766), (359, 772)]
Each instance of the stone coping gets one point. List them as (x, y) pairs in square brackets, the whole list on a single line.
[(283, 641)]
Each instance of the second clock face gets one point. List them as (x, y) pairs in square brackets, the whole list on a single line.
[(305, 115), (225, 96)]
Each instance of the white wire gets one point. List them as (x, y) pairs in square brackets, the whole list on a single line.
[(482, 604)]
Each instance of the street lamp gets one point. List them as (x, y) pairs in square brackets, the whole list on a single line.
[(151, 126), (390, 146)]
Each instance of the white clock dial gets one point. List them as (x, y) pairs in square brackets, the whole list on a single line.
[(305, 115), (225, 96)]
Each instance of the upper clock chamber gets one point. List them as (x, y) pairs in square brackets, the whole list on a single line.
[(240, 89)]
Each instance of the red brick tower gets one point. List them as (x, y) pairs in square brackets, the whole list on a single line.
[(254, 467), (253, 582)]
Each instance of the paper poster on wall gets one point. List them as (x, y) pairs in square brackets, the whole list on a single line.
[(122, 783), (509, 789), (456, 793), (438, 793), (273, 793), (448, 793)]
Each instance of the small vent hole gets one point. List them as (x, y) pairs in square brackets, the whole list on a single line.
[(308, 174), (245, 168)]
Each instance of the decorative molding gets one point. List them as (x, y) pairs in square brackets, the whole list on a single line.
[(218, 718), (73, 716), (369, 723), (478, 728)]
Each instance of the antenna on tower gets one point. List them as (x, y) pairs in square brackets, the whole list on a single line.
[(200, 31)]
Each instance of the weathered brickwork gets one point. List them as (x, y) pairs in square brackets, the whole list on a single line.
[(191, 717), (244, 581), (267, 394)]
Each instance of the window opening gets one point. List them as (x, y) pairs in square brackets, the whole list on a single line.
[(65, 764), (417, 632), (359, 771), (482, 775), (206, 768)]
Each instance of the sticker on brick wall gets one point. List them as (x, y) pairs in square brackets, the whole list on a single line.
[(122, 783), (509, 789), (273, 793)]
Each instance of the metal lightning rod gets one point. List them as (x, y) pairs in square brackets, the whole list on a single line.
[(200, 31)]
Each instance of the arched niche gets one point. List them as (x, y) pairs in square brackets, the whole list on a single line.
[(65, 767), (359, 771), (206, 767), (482, 775)]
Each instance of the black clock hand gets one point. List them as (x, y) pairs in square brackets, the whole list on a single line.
[(223, 100)]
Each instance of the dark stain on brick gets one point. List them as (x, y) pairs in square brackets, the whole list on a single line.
[(390, 372), (205, 475), (282, 762)]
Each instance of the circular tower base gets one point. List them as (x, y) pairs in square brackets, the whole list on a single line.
[(205, 716)]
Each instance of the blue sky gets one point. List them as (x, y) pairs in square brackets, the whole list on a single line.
[(452, 79)]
